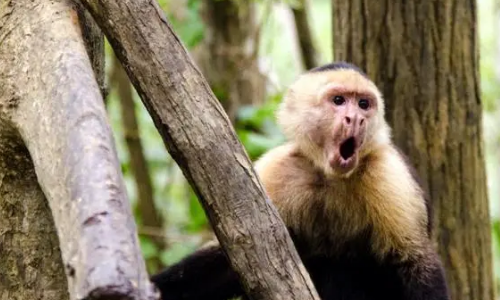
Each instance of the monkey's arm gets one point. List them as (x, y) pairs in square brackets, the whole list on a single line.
[(206, 274), (423, 278)]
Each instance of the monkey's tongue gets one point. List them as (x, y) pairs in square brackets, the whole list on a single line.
[(348, 148)]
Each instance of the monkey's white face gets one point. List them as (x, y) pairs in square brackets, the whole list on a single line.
[(347, 115), (332, 116)]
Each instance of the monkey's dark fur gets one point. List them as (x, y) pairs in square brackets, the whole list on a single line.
[(351, 202)]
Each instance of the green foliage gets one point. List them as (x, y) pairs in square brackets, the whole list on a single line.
[(256, 127), (198, 220), (490, 94), (190, 27), (148, 248), (496, 249), (176, 252), (490, 89)]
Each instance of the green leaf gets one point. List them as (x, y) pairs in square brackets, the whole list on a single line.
[(198, 219), (175, 253), (148, 248)]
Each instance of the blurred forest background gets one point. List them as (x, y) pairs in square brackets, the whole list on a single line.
[(250, 53)]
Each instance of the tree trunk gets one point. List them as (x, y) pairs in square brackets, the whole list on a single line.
[(54, 104), (199, 136), (306, 40), (30, 261), (228, 54), (150, 218), (423, 54)]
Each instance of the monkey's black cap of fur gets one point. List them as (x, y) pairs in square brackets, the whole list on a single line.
[(338, 66)]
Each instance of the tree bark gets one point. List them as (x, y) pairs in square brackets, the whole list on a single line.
[(55, 106), (424, 56), (30, 264), (150, 218), (199, 136), (307, 48), (94, 43), (228, 54)]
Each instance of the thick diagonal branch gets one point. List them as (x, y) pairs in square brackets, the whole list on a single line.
[(200, 138), (55, 104)]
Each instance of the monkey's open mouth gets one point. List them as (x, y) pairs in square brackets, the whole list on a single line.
[(348, 148)]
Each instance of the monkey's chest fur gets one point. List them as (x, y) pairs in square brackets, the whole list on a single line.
[(350, 231), (333, 223), (365, 213), (329, 217), (334, 237)]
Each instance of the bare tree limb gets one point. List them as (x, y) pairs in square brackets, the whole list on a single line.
[(199, 136), (55, 104)]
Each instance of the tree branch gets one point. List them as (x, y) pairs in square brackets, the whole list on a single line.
[(307, 48), (200, 138), (59, 112), (226, 54), (145, 197)]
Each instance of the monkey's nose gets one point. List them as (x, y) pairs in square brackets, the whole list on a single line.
[(355, 121)]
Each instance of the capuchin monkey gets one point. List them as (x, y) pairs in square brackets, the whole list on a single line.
[(354, 209)]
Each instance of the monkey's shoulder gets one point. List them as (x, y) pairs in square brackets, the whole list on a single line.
[(283, 170)]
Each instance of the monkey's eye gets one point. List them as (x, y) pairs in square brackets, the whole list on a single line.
[(364, 104), (338, 100)]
